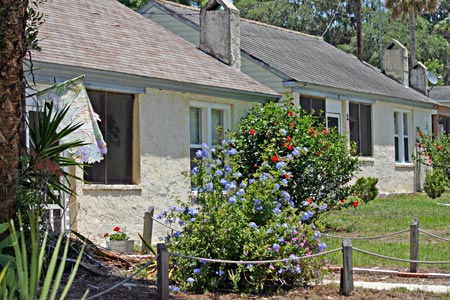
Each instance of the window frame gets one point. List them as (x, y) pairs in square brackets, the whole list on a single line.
[(206, 121), (134, 156), (401, 136), (361, 136)]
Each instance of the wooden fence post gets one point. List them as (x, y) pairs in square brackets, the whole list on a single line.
[(347, 269), (148, 228), (414, 245), (163, 272)]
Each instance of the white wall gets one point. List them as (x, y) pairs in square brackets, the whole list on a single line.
[(164, 165), (392, 177)]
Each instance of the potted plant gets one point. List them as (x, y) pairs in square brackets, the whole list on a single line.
[(119, 241)]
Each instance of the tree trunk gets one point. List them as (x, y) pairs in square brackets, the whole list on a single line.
[(12, 93), (359, 52), (412, 32)]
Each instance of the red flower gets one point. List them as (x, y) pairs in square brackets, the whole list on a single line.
[(355, 203), (292, 125), (325, 131), (420, 133), (310, 200), (288, 175), (439, 147), (106, 235), (319, 153), (275, 158), (288, 138), (342, 200), (116, 229), (283, 145), (252, 131), (291, 114), (290, 147)]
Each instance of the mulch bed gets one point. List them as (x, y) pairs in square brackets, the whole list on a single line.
[(113, 269)]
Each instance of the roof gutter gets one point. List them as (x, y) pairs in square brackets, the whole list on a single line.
[(339, 94), (121, 82)]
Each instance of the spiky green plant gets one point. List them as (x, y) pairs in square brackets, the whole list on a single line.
[(28, 280)]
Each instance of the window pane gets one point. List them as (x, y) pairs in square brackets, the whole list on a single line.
[(366, 129), (318, 105), (405, 124), (305, 103), (333, 122), (405, 145), (119, 137), (396, 123), (217, 124), (397, 158), (192, 156), (354, 125), (115, 111), (195, 125)]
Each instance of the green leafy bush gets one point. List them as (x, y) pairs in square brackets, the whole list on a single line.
[(365, 188), (318, 164), (435, 183), (434, 151), (242, 219)]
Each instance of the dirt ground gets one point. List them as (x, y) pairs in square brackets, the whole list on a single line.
[(115, 271)]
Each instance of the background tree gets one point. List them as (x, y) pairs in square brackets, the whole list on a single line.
[(13, 46), (411, 8)]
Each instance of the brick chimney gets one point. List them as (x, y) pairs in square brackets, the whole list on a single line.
[(395, 62), (220, 32)]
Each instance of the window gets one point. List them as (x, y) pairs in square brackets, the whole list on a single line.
[(360, 122), (207, 124), (334, 121), (402, 136), (116, 114), (314, 106)]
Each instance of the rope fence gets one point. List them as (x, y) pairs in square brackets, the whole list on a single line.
[(434, 235), (367, 237), (346, 278), (254, 262)]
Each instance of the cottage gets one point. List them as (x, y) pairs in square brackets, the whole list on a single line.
[(158, 96), (380, 114)]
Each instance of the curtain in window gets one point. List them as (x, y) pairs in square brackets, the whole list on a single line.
[(73, 93)]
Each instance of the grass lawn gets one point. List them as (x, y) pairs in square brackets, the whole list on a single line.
[(389, 215)]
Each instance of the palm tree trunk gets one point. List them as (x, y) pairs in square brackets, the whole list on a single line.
[(359, 53), (12, 93), (412, 32)]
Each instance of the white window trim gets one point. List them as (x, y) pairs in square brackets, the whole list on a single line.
[(206, 119), (401, 136), (334, 115)]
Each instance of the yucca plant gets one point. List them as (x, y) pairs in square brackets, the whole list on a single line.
[(44, 173), (29, 281)]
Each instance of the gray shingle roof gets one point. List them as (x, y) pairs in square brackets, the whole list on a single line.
[(307, 59), (106, 35), (440, 93)]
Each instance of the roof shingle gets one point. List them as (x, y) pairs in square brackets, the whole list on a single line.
[(106, 35), (308, 59)]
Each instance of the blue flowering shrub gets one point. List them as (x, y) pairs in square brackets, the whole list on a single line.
[(315, 162), (240, 218)]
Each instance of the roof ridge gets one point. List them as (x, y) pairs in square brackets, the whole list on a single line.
[(244, 19), (178, 5), (280, 28)]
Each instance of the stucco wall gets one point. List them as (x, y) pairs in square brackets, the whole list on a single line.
[(164, 164), (392, 177)]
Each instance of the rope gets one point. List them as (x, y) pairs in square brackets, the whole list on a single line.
[(157, 221), (123, 281), (365, 238), (401, 259), (435, 236), (244, 262)]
